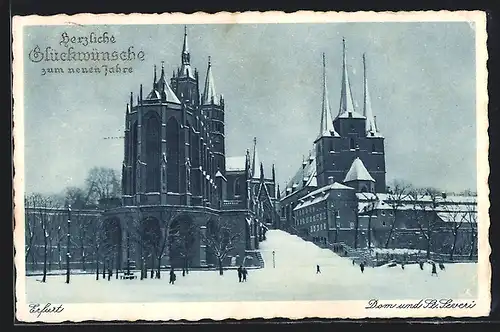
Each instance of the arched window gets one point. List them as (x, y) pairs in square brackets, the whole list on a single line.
[(237, 187), (152, 153), (172, 155), (374, 149), (134, 157)]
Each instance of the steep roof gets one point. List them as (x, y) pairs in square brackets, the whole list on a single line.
[(209, 93), (358, 172), (346, 100), (164, 89), (326, 124), (304, 177), (371, 125)]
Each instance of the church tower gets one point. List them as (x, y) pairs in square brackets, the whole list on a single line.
[(185, 81), (328, 140), (212, 106), (359, 139)]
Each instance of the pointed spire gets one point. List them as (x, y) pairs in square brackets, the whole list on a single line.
[(154, 78), (255, 159), (326, 125), (127, 111), (162, 75), (274, 174), (131, 99), (367, 107), (209, 95), (140, 92), (261, 171), (185, 70), (278, 193), (346, 101), (185, 47)]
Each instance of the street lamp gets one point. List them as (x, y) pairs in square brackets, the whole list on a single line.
[(67, 247), (274, 261)]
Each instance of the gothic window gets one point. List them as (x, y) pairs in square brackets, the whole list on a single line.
[(352, 144), (374, 148), (134, 157), (332, 146), (237, 187), (152, 153), (172, 155)]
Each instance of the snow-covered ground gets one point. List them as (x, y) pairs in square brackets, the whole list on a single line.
[(293, 278)]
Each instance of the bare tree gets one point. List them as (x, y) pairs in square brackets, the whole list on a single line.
[(454, 218), (471, 220), (184, 239), (30, 230), (168, 233), (398, 193), (221, 237), (425, 202), (369, 209), (49, 223), (95, 228), (102, 183)]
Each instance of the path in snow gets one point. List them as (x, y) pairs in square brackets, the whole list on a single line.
[(293, 278)]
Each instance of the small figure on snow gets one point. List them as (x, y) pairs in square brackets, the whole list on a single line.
[(362, 266), (441, 266), (421, 264), (244, 272), (353, 263), (434, 272), (403, 266), (240, 273), (110, 274), (172, 277), (318, 269)]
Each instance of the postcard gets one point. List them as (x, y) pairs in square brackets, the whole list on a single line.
[(251, 165)]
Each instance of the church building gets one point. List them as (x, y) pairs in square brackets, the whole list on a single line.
[(177, 180)]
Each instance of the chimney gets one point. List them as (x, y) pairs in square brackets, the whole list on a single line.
[(330, 180)]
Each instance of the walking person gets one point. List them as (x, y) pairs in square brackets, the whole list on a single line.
[(244, 272), (421, 264), (434, 271), (240, 273), (362, 267), (172, 276), (110, 274), (317, 269)]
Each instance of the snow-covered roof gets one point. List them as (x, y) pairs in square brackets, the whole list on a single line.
[(358, 172), (235, 163), (167, 94), (220, 175), (306, 170), (313, 201), (328, 187)]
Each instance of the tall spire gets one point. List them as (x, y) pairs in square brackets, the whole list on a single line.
[(209, 95), (367, 109), (255, 160), (346, 101), (163, 88), (154, 78), (185, 49), (186, 70), (326, 125)]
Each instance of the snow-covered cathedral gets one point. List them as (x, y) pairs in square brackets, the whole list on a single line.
[(348, 150), (175, 166)]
